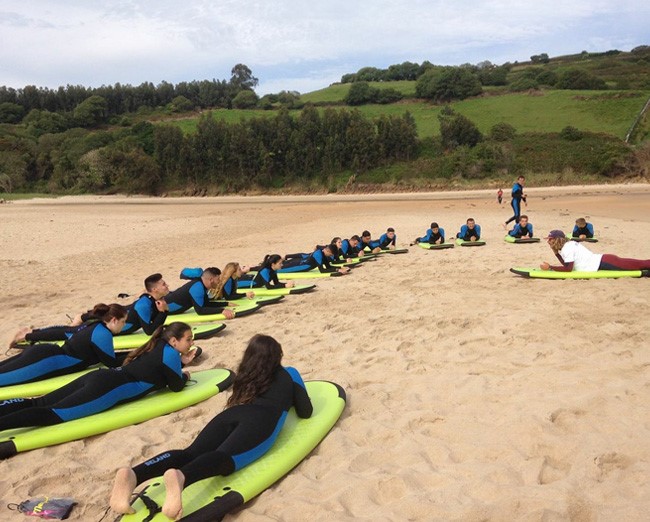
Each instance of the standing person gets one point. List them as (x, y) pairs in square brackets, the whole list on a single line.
[(153, 366), (195, 294), (575, 256), (470, 231), (500, 196), (523, 229), (263, 391), (91, 344), (434, 236), (517, 196)]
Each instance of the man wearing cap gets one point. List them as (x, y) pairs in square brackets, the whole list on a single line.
[(575, 256)]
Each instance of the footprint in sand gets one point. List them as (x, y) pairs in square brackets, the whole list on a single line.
[(610, 462), (552, 470)]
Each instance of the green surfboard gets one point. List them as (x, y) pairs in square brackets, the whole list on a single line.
[(519, 240), (190, 316), (536, 273), (436, 246), (211, 499), (311, 274), (202, 386), (38, 388), (298, 289), (135, 340), (463, 243)]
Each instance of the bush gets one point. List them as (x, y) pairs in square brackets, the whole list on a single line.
[(570, 133), (502, 132), (451, 83), (245, 100), (580, 79), (457, 130), (524, 84)]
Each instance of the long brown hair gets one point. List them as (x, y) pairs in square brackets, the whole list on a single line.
[(230, 270), (104, 312), (557, 243), (261, 360), (166, 331)]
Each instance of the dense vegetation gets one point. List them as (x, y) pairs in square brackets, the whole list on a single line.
[(562, 119)]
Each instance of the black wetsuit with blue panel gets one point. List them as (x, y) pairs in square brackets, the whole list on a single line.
[(432, 237), (91, 344), (238, 435), (230, 290), (317, 259), (144, 314), (520, 231), (587, 231), (517, 194), (466, 233), (98, 391), (193, 294), (267, 277), (347, 250)]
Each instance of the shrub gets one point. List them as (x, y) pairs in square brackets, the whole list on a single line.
[(502, 132), (570, 133)]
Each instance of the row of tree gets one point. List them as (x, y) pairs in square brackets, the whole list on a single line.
[(149, 158)]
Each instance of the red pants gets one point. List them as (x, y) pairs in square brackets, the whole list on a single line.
[(611, 262)]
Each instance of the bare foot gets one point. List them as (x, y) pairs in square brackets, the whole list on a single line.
[(125, 483), (174, 482)]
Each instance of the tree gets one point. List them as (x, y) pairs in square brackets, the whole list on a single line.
[(11, 112), (242, 77), (91, 111), (457, 130), (450, 83), (579, 79), (245, 100), (360, 93)]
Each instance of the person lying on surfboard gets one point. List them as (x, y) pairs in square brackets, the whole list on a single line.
[(195, 294), (523, 229), (367, 242), (576, 256), (388, 240), (226, 288), (91, 343), (155, 365), (582, 229), (434, 236), (470, 231), (351, 247), (263, 391), (318, 259), (267, 275)]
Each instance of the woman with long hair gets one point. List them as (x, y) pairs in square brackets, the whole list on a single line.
[(90, 344), (267, 275), (576, 256), (155, 365), (226, 288), (262, 394)]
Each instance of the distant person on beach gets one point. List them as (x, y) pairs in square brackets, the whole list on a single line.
[(500, 196), (517, 196), (434, 236), (575, 256), (470, 231), (263, 392), (583, 229), (523, 229)]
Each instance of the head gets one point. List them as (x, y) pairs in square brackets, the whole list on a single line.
[(365, 236), (273, 261), (210, 277), (523, 220), (336, 241), (327, 250), (261, 359), (581, 222), (112, 315), (177, 335), (556, 239), (521, 180), (156, 286), (230, 270), (390, 232), (354, 240), (435, 227), (471, 223)]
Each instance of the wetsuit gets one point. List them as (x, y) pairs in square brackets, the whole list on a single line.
[(193, 294), (517, 195), (237, 436), (384, 241), (317, 259), (431, 237), (268, 278), (91, 344), (587, 231), (98, 391), (520, 231), (347, 250), (144, 314), (466, 233), (230, 290)]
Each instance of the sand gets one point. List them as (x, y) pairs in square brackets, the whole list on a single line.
[(473, 394)]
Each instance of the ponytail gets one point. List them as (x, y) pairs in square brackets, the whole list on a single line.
[(105, 312), (164, 332), (270, 259)]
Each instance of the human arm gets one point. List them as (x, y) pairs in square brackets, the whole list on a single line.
[(301, 400)]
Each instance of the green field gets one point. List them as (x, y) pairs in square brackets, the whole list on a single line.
[(609, 112)]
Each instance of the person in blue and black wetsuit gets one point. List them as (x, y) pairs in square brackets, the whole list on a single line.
[(350, 248), (319, 258), (263, 392), (388, 240), (368, 243), (226, 289), (582, 229), (517, 196), (267, 275), (470, 231), (196, 294), (151, 367), (523, 229), (91, 344), (434, 236)]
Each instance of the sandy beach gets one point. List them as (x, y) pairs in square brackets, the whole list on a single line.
[(473, 394)]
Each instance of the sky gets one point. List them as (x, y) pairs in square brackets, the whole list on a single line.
[(289, 44)]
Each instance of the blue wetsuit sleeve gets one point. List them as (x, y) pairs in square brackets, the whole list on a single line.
[(515, 231), (590, 228), (172, 370), (201, 301), (301, 400), (149, 316), (478, 231), (463, 231), (530, 227), (102, 343)]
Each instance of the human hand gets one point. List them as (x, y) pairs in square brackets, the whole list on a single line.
[(545, 266), (290, 284), (250, 295), (161, 305), (228, 314)]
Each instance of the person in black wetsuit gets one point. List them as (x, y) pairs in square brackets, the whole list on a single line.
[(367, 242), (517, 197), (263, 392), (319, 258), (388, 240), (151, 367), (196, 293), (267, 275), (523, 229), (350, 247), (470, 231), (91, 344), (434, 236), (226, 289), (582, 229)]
